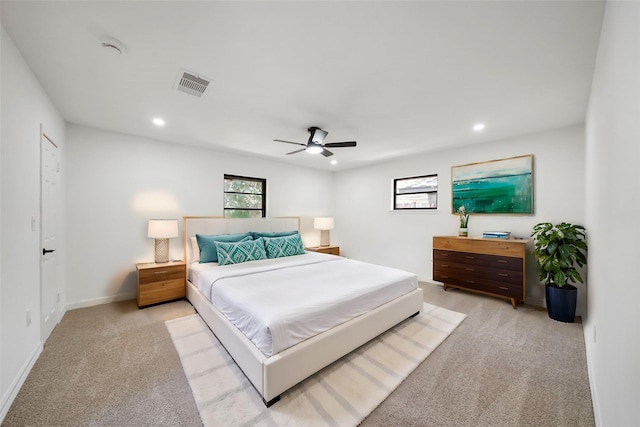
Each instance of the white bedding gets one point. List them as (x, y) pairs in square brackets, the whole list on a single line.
[(280, 302)]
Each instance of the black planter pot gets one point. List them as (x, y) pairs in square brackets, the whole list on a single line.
[(561, 302)]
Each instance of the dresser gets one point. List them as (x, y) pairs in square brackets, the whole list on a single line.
[(489, 266), (161, 282)]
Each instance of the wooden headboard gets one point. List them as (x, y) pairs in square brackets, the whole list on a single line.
[(212, 225)]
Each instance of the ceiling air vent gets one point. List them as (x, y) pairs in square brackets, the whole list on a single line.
[(192, 84)]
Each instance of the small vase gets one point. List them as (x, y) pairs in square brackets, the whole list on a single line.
[(463, 232)]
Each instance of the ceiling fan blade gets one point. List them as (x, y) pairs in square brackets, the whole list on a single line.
[(341, 144), (326, 153), (297, 151), (289, 142)]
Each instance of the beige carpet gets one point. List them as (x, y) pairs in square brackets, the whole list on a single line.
[(108, 365), (342, 394), (115, 365)]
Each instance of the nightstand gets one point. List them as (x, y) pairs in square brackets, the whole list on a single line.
[(332, 250), (161, 282)]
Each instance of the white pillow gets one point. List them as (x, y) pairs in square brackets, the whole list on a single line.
[(195, 250)]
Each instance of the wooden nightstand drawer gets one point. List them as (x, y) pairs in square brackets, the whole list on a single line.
[(160, 274), (162, 291), (331, 250), (160, 282)]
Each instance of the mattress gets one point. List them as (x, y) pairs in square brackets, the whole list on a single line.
[(280, 302)]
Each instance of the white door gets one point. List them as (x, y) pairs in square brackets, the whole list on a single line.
[(49, 293)]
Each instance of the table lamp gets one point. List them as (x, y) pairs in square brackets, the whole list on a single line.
[(162, 230), (324, 225)]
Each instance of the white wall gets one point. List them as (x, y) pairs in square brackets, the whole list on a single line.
[(25, 106), (368, 229), (613, 155), (117, 182)]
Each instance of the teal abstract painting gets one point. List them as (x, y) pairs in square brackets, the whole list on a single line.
[(502, 186)]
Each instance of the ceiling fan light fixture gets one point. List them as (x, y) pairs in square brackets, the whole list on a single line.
[(313, 149)]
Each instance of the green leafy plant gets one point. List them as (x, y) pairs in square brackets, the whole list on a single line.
[(464, 217), (560, 249)]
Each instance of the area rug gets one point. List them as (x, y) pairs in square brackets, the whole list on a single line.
[(342, 394)]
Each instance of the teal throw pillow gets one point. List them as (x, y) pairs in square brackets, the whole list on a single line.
[(235, 253), (207, 244), (257, 234), (278, 247)]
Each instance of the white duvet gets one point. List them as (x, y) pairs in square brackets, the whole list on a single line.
[(278, 303)]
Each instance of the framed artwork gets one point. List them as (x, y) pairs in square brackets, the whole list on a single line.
[(503, 186)]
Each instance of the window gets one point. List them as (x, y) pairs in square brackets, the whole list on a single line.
[(244, 197), (416, 192)]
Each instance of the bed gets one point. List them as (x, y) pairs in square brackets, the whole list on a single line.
[(293, 350)]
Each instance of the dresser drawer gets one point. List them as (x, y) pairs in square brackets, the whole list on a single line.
[(509, 248), (478, 272), (470, 258), (162, 274)]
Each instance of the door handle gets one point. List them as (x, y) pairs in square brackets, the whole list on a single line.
[(46, 251)]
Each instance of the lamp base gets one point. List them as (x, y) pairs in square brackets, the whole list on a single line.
[(324, 238), (162, 250)]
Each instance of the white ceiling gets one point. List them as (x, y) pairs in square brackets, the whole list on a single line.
[(397, 77)]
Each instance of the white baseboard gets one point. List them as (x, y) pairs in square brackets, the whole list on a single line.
[(17, 383), (98, 301), (590, 351)]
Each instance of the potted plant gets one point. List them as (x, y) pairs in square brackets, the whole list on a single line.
[(560, 249), (464, 222)]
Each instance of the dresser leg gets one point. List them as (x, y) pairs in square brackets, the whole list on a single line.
[(444, 286), (514, 303)]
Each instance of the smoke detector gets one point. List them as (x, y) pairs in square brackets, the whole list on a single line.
[(192, 83)]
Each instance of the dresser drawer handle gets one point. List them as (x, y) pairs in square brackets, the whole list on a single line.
[(503, 274), (444, 255), (503, 288), (444, 265), (161, 272), (444, 277), (470, 281), (504, 261), (470, 269), (469, 257)]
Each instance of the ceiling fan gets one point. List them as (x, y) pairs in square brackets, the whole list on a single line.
[(315, 143)]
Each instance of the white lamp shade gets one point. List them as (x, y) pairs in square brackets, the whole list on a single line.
[(163, 228), (323, 223)]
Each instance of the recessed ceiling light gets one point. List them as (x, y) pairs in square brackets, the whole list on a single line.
[(158, 121), (334, 162), (478, 127)]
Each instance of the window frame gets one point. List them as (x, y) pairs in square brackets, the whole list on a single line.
[(263, 181), (396, 194)]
